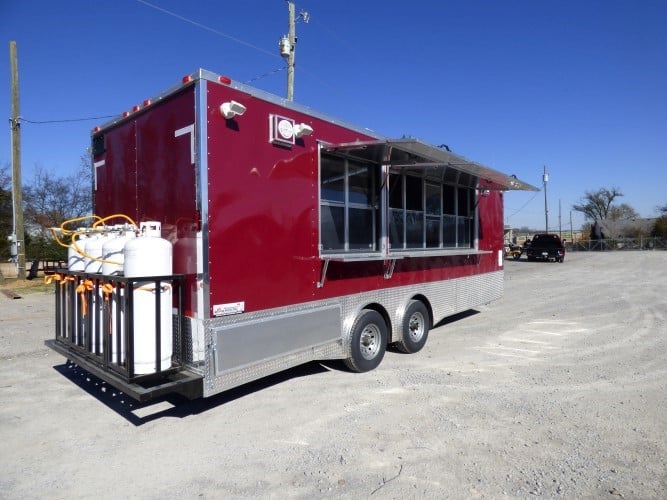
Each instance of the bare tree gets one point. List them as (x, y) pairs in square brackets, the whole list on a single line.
[(50, 200), (660, 227), (596, 205), (622, 212)]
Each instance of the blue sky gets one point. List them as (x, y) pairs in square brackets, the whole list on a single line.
[(577, 85)]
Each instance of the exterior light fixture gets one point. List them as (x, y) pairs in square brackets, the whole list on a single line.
[(302, 129), (231, 109)]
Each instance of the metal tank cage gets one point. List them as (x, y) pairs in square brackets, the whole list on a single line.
[(95, 329)]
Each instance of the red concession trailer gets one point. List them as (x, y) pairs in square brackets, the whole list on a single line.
[(292, 236)]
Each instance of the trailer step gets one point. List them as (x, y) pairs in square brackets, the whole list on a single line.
[(183, 382)]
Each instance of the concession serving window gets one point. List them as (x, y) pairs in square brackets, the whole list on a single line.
[(403, 198)]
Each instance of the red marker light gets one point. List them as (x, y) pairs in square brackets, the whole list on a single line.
[(147, 102), (187, 79), (126, 114), (97, 129), (136, 108), (224, 79)]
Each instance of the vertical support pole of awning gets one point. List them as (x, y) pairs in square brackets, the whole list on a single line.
[(384, 201)]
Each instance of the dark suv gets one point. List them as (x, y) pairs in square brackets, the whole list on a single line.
[(546, 247)]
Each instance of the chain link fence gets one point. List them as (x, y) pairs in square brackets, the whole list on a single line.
[(608, 244)]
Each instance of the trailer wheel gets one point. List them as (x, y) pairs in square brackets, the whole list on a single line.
[(368, 341), (415, 328)]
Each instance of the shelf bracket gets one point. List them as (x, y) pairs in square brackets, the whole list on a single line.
[(389, 268), (325, 266)]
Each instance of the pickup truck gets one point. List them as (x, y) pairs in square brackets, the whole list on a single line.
[(546, 247)]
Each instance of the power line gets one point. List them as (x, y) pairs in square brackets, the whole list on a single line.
[(207, 28), (66, 120), (523, 206), (270, 73), (237, 40)]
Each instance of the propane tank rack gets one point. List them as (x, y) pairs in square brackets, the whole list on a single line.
[(139, 351)]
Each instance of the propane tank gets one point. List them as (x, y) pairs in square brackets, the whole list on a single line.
[(112, 265), (75, 260), (150, 255), (93, 251), (112, 252)]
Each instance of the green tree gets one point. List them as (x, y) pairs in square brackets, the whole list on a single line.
[(6, 223)]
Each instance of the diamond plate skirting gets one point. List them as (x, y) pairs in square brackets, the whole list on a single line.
[(233, 350)]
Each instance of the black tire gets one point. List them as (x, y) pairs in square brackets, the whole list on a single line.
[(416, 324), (516, 256), (368, 341)]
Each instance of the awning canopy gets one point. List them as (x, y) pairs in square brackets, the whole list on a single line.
[(413, 154)]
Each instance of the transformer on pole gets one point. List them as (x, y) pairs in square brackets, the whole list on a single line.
[(287, 46)]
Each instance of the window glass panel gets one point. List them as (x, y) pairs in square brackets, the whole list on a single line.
[(463, 202), (432, 232), (395, 191), (449, 199), (433, 200), (396, 227), (413, 193), (448, 231), (451, 175), (333, 179), (463, 232), (333, 227), (360, 183), (361, 229), (414, 225)]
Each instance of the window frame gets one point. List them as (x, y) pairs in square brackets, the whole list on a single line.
[(348, 205), (464, 224), (381, 201)]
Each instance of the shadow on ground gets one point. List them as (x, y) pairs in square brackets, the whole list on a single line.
[(176, 406)]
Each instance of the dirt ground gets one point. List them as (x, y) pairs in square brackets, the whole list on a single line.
[(557, 390)]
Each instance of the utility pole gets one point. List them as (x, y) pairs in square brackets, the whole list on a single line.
[(560, 225), (290, 57), (287, 46), (545, 179), (17, 195)]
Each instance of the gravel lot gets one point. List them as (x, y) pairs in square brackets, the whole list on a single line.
[(559, 390)]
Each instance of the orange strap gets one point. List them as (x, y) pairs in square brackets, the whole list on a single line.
[(64, 280), (52, 277), (84, 286), (107, 290), (151, 288), (58, 277)]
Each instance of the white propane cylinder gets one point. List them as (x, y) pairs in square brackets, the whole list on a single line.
[(75, 260), (112, 252), (93, 250), (150, 255), (113, 256)]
